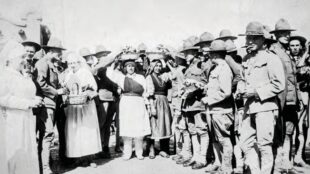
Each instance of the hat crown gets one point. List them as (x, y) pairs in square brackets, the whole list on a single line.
[(54, 42), (266, 31), (225, 33), (193, 40), (206, 36), (84, 52), (218, 45), (100, 48), (254, 28), (282, 24), (230, 46)]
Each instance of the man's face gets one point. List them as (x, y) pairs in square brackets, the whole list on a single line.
[(254, 43), (30, 51), (295, 47), (190, 55), (283, 36), (55, 53)]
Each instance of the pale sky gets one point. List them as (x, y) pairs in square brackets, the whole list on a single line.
[(115, 23)]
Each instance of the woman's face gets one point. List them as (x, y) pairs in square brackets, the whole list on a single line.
[(130, 69), (74, 65), (158, 67), (19, 63)]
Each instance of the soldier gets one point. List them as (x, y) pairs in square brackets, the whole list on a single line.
[(193, 108), (282, 33), (262, 80), (298, 52), (49, 87), (219, 103)]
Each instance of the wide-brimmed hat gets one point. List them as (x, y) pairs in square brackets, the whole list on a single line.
[(205, 37), (155, 55), (217, 46), (282, 25), (54, 43), (226, 34), (254, 29), (230, 46), (100, 49), (302, 39), (268, 37), (189, 44), (36, 46), (84, 52)]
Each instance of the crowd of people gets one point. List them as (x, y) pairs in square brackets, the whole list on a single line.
[(225, 109)]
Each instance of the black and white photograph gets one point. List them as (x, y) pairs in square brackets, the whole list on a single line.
[(154, 86)]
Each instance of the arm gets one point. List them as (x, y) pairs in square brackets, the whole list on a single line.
[(276, 77), (42, 79), (224, 91), (116, 76)]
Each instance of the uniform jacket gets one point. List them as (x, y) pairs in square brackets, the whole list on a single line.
[(291, 97), (194, 103), (47, 78), (219, 88), (264, 73)]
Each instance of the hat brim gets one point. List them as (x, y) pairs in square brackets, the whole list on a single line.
[(190, 48), (101, 52), (49, 47), (274, 31), (36, 46), (203, 42), (227, 37), (217, 51), (250, 34), (300, 38)]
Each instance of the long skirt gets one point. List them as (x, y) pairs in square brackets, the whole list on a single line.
[(82, 130), (133, 117), (161, 124), (21, 145)]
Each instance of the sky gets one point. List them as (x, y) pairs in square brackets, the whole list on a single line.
[(117, 23)]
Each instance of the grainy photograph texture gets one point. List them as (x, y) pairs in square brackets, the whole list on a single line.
[(154, 86)]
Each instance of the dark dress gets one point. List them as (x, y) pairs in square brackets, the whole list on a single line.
[(161, 124)]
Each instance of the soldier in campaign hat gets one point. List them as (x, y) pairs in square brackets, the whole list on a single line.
[(262, 80), (289, 97)]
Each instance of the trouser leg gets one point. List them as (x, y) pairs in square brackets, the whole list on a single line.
[(247, 141), (204, 141), (265, 122), (238, 153), (164, 145), (186, 145), (139, 146), (110, 111)]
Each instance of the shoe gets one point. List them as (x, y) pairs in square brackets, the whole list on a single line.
[(298, 161), (177, 157), (212, 168), (140, 157), (285, 166), (118, 150), (152, 155), (198, 165), (189, 163), (93, 165), (163, 154), (181, 161), (238, 170), (126, 158)]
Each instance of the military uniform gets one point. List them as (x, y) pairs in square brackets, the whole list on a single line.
[(261, 72)]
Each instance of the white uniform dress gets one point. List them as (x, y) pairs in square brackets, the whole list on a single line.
[(16, 92), (82, 127), (133, 116)]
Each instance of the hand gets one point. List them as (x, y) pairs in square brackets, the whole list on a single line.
[(36, 102), (250, 93), (204, 100)]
